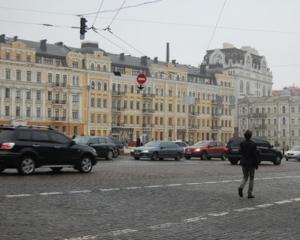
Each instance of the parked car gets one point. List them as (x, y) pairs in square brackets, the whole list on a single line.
[(293, 153), (206, 150), (104, 147), (29, 147), (266, 151), (158, 150), (183, 145), (118, 143)]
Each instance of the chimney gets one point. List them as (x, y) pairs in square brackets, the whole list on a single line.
[(43, 44), (174, 61), (156, 60), (15, 38), (168, 53), (144, 60), (122, 56), (2, 38), (59, 44)]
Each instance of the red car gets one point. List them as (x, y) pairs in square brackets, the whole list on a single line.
[(206, 150)]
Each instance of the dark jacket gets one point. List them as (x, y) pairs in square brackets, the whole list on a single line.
[(249, 154)]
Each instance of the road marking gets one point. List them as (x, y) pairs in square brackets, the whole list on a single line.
[(18, 195), (194, 183), (109, 189), (87, 237), (296, 199), (265, 205), (153, 186), (51, 193), (132, 188), (174, 185), (283, 202), (161, 226), (80, 191), (194, 219), (244, 209), (124, 231), (218, 214), (210, 182), (226, 181)]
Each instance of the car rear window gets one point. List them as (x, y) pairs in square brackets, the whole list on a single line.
[(6, 134)]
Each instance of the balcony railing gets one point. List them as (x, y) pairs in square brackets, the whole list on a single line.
[(118, 93), (56, 84), (59, 118), (59, 101), (118, 109), (148, 110), (148, 95)]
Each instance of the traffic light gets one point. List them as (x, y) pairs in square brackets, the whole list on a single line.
[(83, 27)]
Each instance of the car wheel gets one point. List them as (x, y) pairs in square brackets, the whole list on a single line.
[(2, 168), (277, 160), (109, 155), (136, 158), (286, 158), (204, 156), (85, 164), (27, 165), (155, 156), (177, 157), (56, 169), (187, 158)]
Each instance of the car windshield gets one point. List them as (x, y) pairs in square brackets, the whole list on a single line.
[(153, 144), (296, 148), (82, 140), (235, 142), (201, 144)]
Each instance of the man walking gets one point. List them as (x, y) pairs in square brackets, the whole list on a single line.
[(249, 163)]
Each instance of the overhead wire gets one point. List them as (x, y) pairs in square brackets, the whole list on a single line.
[(97, 14), (216, 25), (116, 14)]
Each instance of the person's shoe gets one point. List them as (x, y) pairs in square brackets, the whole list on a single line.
[(250, 196), (240, 192)]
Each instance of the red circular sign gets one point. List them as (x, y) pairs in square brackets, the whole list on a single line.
[(141, 79)]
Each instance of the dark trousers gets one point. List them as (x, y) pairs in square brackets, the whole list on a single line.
[(248, 172)]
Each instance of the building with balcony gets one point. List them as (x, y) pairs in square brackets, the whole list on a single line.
[(276, 119), (89, 91)]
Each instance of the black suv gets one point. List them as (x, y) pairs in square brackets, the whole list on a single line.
[(104, 147), (29, 147), (265, 150)]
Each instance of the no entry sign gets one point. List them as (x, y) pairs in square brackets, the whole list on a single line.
[(141, 79)]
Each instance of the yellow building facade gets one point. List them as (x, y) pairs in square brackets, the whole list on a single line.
[(87, 91)]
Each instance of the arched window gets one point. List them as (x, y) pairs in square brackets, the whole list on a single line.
[(264, 90), (92, 85), (92, 66), (99, 85), (283, 109), (283, 121), (105, 87), (98, 68), (104, 68)]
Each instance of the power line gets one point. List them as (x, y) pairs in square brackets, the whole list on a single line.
[(116, 14), (112, 42), (217, 23), (39, 24), (98, 12), (128, 44)]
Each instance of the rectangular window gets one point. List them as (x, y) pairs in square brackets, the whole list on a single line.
[(105, 103), (38, 95), (7, 111), (48, 61), (18, 75), (75, 64), (7, 93), (28, 76), (18, 111), (28, 95), (38, 77), (49, 77), (28, 111), (49, 113), (18, 94), (65, 80), (7, 55), (7, 74), (38, 112), (38, 59), (75, 115), (18, 57), (49, 96), (92, 102), (99, 102), (28, 58)]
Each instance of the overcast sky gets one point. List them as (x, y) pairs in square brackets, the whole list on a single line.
[(270, 26)]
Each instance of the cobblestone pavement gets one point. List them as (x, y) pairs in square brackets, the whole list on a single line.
[(140, 200)]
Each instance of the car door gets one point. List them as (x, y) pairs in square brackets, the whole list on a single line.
[(63, 152), (164, 151), (42, 143), (212, 149), (97, 144), (263, 150)]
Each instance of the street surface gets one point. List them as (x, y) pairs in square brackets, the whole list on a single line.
[(141, 200)]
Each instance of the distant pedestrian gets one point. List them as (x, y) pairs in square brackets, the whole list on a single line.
[(249, 162), (138, 142)]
